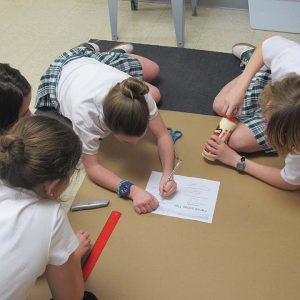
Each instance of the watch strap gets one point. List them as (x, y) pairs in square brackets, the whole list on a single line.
[(241, 164), (124, 188)]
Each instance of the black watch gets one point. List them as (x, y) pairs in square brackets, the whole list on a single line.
[(241, 164)]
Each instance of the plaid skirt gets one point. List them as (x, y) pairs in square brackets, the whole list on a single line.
[(47, 90), (251, 114)]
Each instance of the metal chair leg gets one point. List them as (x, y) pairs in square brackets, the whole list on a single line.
[(113, 17), (178, 17), (134, 4), (194, 4)]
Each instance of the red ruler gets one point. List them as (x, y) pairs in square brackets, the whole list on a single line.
[(100, 244)]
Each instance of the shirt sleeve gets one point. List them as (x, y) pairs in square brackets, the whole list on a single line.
[(153, 111), (291, 171), (64, 241), (89, 126), (273, 47)]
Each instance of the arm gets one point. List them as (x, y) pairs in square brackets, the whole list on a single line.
[(143, 201), (66, 281), (222, 152), (166, 154), (99, 174), (234, 98)]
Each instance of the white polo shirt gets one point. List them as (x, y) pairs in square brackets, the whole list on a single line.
[(282, 56), (82, 88), (34, 233)]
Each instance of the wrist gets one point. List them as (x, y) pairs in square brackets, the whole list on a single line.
[(233, 160), (124, 188), (241, 164), (166, 173), (132, 191)]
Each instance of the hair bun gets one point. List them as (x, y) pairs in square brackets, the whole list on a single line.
[(133, 88), (11, 148)]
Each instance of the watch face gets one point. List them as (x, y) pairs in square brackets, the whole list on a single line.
[(124, 189), (241, 165)]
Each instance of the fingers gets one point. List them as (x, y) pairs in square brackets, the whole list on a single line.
[(225, 109), (169, 188), (231, 110), (214, 140), (147, 206), (84, 242), (82, 235), (213, 145)]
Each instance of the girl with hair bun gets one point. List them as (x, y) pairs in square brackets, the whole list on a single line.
[(108, 92), (36, 163)]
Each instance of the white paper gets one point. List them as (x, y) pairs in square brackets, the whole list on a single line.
[(195, 198)]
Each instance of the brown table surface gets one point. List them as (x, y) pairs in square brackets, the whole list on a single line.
[(250, 251)]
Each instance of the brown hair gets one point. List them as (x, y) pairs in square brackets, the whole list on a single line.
[(281, 102), (37, 149), (125, 108)]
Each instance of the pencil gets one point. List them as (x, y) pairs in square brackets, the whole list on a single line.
[(173, 172)]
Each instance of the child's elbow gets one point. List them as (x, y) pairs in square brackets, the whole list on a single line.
[(290, 187)]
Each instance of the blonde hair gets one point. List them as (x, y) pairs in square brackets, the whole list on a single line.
[(37, 149), (125, 108), (281, 103)]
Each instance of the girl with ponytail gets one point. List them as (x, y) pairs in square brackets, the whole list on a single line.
[(108, 92)]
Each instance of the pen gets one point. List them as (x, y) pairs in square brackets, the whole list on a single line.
[(173, 172)]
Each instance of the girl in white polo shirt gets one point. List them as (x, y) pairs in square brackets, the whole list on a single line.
[(36, 162), (103, 93), (267, 104)]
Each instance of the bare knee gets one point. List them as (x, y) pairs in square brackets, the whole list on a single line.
[(150, 68), (152, 71), (236, 143), (242, 140), (155, 93), (218, 106)]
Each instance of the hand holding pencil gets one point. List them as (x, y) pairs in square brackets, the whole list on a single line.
[(168, 185)]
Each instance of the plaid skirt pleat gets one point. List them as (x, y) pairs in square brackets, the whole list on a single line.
[(251, 114), (47, 90)]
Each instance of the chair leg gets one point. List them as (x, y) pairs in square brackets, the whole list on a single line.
[(134, 4), (194, 4), (178, 17), (113, 16)]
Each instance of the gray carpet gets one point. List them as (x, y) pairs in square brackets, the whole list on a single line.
[(189, 79)]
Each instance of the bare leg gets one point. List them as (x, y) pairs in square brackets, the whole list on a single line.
[(219, 100), (243, 140), (154, 91), (150, 68)]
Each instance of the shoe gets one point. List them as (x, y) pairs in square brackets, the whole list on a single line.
[(95, 46), (243, 52), (128, 48)]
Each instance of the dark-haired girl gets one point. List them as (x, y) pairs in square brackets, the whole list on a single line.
[(15, 96)]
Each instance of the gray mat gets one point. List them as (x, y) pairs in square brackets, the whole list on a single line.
[(189, 79)]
